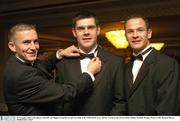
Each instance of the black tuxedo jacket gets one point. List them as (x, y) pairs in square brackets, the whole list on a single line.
[(155, 89), (107, 96), (29, 91)]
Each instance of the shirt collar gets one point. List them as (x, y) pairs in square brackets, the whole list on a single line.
[(94, 50), (22, 60), (143, 55), (142, 51)]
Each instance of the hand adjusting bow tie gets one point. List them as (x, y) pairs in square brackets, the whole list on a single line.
[(140, 57), (82, 55)]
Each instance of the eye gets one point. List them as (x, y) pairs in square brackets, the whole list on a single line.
[(26, 42), (91, 27), (141, 29), (129, 31), (36, 41), (80, 28)]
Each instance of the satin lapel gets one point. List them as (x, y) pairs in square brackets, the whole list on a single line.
[(129, 75), (75, 68), (103, 58), (142, 73), (143, 70)]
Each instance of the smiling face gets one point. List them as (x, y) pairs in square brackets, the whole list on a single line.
[(137, 34), (25, 44), (86, 32)]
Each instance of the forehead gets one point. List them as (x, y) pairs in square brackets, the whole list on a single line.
[(85, 22), (135, 22), (26, 34)]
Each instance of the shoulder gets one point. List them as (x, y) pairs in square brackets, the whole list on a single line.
[(65, 61), (111, 56), (14, 68), (165, 60)]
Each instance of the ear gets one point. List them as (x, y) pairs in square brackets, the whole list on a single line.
[(74, 32), (98, 30), (149, 33), (12, 46)]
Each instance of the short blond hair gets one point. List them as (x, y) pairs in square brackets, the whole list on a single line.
[(20, 27)]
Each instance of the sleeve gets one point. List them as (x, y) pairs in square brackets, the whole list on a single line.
[(119, 98), (60, 74), (34, 88), (168, 90), (59, 78), (177, 112), (50, 63)]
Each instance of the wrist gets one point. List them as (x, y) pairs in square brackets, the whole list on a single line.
[(89, 70), (59, 54), (91, 75)]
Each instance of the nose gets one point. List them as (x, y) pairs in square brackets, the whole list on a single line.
[(32, 46), (86, 31), (135, 34)]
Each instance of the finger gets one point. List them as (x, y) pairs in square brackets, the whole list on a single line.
[(76, 54), (96, 59), (93, 59), (76, 51)]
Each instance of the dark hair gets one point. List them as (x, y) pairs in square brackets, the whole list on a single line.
[(83, 15), (137, 16), (20, 27)]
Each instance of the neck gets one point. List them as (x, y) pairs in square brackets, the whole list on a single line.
[(141, 50), (88, 50), (22, 60)]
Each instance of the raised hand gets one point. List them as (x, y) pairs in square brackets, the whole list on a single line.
[(71, 51), (94, 65)]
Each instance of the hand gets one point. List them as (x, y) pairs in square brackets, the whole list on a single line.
[(94, 65), (71, 51)]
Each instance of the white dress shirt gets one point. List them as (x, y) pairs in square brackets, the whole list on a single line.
[(138, 63), (84, 62)]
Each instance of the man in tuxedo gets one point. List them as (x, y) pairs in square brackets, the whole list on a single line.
[(27, 86), (152, 77), (107, 96)]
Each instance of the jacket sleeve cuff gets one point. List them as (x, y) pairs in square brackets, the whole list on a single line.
[(91, 75)]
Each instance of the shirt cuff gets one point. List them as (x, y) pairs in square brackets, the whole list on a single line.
[(91, 75), (58, 55)]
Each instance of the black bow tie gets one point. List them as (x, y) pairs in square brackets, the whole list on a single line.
[(82, 55), (140, 57)]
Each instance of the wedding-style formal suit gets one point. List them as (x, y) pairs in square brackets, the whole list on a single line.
[(107, 96), (29, 91), (155, 90)]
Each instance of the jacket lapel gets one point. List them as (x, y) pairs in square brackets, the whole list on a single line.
[(129, 75), (75, 67), (103, 59), (143, 70), (141, 75)]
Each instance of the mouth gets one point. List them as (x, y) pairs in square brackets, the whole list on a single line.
[(136, 41), (87, 38), (32, 54)]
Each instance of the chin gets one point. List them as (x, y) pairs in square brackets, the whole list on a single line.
[(87, 46), (32, 59), (137, 47)]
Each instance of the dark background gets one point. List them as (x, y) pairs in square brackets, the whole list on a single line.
[(53, 19)]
